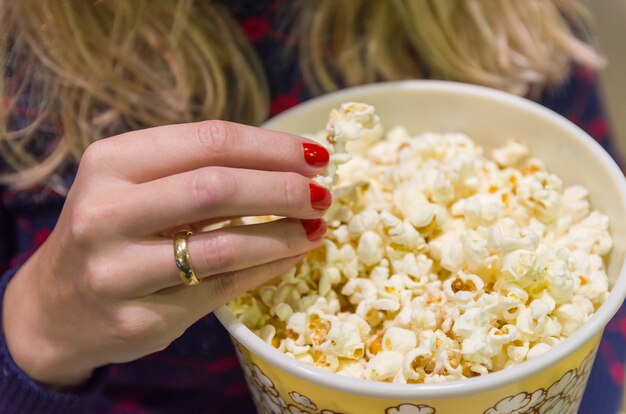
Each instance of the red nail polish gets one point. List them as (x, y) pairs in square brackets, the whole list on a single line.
[(320, 197), (314, 229), (315, 155)]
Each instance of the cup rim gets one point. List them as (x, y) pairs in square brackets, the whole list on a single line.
[(583, 334)]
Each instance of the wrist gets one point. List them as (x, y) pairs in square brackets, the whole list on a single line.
[(35, 355)]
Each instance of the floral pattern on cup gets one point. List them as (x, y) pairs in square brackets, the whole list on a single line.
[(269, 401), (411, 409), (562, 397), (303, 400)]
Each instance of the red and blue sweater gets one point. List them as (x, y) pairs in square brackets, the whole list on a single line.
[(199, 372)]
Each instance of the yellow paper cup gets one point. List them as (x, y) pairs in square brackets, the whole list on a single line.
[(552, 383)]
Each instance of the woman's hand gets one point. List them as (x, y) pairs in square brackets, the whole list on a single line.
[(104, 287)]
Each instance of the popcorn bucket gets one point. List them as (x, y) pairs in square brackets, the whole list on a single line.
[(555, 381)]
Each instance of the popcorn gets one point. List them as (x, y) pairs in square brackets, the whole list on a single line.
[(370, 248), (267, 333), (359, 290), (296, 327), (572, 315), (294, 348), (475, 251), (443, 190), (414, 206), (367, 220), (463, 289), (402, 233), (399, 340), (574, 207), (445, 351), (354, 121), (318, 325), (384, 366), (439, 264), (559, 279), (352, 369), (479, 210), (330, 276), (531, 328), (351, 122), (541, 192), (590, 235), (522, 267), (510, 155), (343, 340), (248, 310), (481, 342), (590, 279), (412, 265), (537, 350), (282, 311), (448, 250), (506, 236), (421, 316), (418, 364), (517, 352)]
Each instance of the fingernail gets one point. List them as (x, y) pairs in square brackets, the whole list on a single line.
[(314, 229), (315, 155), (320, 197)]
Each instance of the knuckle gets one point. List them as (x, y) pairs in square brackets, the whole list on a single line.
[(82, 222), (211, 186), (92, 155), (135, 323), (292, 193), (226, 285), (97, 279), (129, 330), (98, 153), (216, 136), (218, 252), (272, 269), (279, 267), (268, 271), (290, 239), (89, 220)]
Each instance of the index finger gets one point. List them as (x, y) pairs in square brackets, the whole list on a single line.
[(152, 153)]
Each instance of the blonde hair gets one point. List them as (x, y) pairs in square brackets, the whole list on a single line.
[(92, 69)]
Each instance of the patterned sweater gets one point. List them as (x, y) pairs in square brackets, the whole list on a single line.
[(199, 372)]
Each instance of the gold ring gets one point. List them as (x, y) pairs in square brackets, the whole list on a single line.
[(181, 254)]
